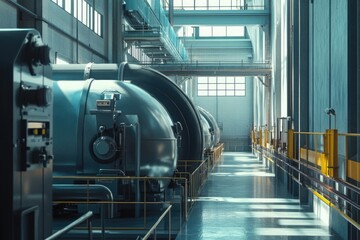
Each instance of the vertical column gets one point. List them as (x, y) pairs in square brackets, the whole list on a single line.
[(290, 147), (332, 152)]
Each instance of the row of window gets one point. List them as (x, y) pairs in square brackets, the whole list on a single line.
[(221, 31), (221, 86), (209, 4), (213, 31), (84, 12)]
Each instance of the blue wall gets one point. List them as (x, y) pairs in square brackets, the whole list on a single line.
[(235, 114), (328, 65)]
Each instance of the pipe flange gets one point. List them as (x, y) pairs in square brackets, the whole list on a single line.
[(103, 149)]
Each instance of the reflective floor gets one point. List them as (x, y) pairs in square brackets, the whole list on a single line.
[(242, 200)]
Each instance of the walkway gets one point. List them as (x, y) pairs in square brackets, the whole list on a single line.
[(242, 200)]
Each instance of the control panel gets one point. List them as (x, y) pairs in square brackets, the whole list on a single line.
[(26, 139)]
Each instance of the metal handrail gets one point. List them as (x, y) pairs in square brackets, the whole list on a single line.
[(184, 197), (328, 188), (153, 228), (310, 133), (75, 223)]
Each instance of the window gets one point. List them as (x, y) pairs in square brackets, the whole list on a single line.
[(205, 31), (60, 60), (221, 86), (186, 31), (221, 31), (209, 4), (84, 12)]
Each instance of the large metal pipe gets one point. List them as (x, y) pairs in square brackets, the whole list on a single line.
[(73, 72), (177, 103)]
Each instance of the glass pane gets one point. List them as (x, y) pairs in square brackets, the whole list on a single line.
[(225, 4), (239, 79), (214, 5), (68, 6), (88, 15), (79, 9), (221, 93), (96, 15), (212, 79), (240, 86), (178, 4), (200, 4), (186, 31), (221, 86), (212, 93), (99, 25), (188, 4), (202, 86), (235, 31), (202, 93), (83, 19), (221, 79), (230, 93), (202, 79), (59, 60), (219, 31), (230, 86), (205, 31), (212, 86), (240, 93), (229, 79), (91, 18)]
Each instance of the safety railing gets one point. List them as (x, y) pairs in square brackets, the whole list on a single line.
[(152, 230), (214, 155), (154, 17), (320, 161), (336, 193), (196, 172), (212, 64), (186, 188), (72, 225), (142, 209)]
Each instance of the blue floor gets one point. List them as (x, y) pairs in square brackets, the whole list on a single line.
[(242, 200)]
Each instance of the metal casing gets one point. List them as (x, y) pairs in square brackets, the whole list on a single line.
[(215, 130), (177, 103), (76, 126), (179, 106), (26, 141), (206, 134)]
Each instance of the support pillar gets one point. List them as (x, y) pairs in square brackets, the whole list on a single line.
[(331, 151), (290, 147)]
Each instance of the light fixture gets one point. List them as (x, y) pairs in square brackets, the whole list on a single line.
[(331, 112)]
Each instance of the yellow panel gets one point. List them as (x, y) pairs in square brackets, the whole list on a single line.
[(313, 157), (353, 170), (290, 152), (316, 158)]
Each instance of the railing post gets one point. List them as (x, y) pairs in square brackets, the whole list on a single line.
[(290, 147), (253, 136), (266, 138), (332, 152)]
